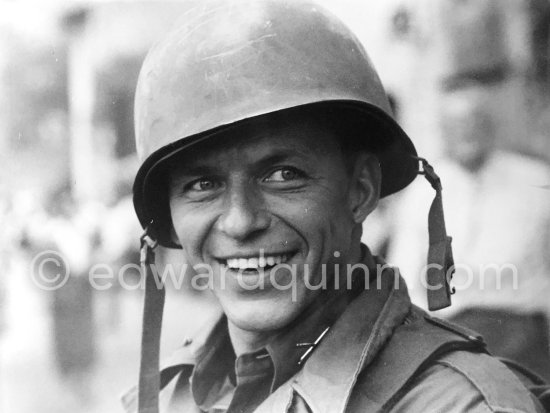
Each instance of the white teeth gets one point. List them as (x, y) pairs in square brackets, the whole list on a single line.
[(255, 263), (280, 259), (233, 263)]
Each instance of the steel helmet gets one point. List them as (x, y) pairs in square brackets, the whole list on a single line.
[(229, 62)]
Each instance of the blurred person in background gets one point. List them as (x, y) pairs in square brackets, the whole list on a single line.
[(69, 233), (499, 217), (496, 207)]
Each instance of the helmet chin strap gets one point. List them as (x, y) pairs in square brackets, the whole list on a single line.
[(149, 371), (440, 253)]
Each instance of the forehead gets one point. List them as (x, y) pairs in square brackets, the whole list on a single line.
[(304, 137)]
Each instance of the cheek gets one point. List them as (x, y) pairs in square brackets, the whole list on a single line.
[(191, 225), (303, 212), (318, 217)]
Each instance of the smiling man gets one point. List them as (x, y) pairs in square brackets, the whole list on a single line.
[(267, 207), (267, 139)]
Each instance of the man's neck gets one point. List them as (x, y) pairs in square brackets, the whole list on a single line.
[(247, 341)]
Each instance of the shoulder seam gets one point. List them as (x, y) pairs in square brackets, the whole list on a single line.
[(493, 407)]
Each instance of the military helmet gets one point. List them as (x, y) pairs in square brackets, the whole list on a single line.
[(228, 63)]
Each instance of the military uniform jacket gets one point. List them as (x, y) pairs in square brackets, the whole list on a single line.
[(382, 354)]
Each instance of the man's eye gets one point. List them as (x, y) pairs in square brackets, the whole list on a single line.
[(284, 175), (203, 185)]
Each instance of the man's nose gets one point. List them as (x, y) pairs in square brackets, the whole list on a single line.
[(244, 214)]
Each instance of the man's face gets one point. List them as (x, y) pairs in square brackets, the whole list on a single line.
[(277, 195)]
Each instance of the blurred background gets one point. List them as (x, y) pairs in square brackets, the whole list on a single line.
[(469, 81)]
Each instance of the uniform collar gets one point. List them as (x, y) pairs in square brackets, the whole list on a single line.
[(327, 379), (289, 349)]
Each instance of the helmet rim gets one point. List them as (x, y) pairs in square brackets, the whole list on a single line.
[(397, 161)]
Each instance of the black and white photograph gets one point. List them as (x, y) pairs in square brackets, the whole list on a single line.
[(275, 206)]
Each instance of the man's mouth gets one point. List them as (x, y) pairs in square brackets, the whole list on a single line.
[(254, 264)]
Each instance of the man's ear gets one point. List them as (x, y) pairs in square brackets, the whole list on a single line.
[(365, 186)]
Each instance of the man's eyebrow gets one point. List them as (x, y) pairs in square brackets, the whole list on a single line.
[(281, 156), (195, 170), (272, 157)]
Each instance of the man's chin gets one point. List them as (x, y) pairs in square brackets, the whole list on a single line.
[(262, 318)]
